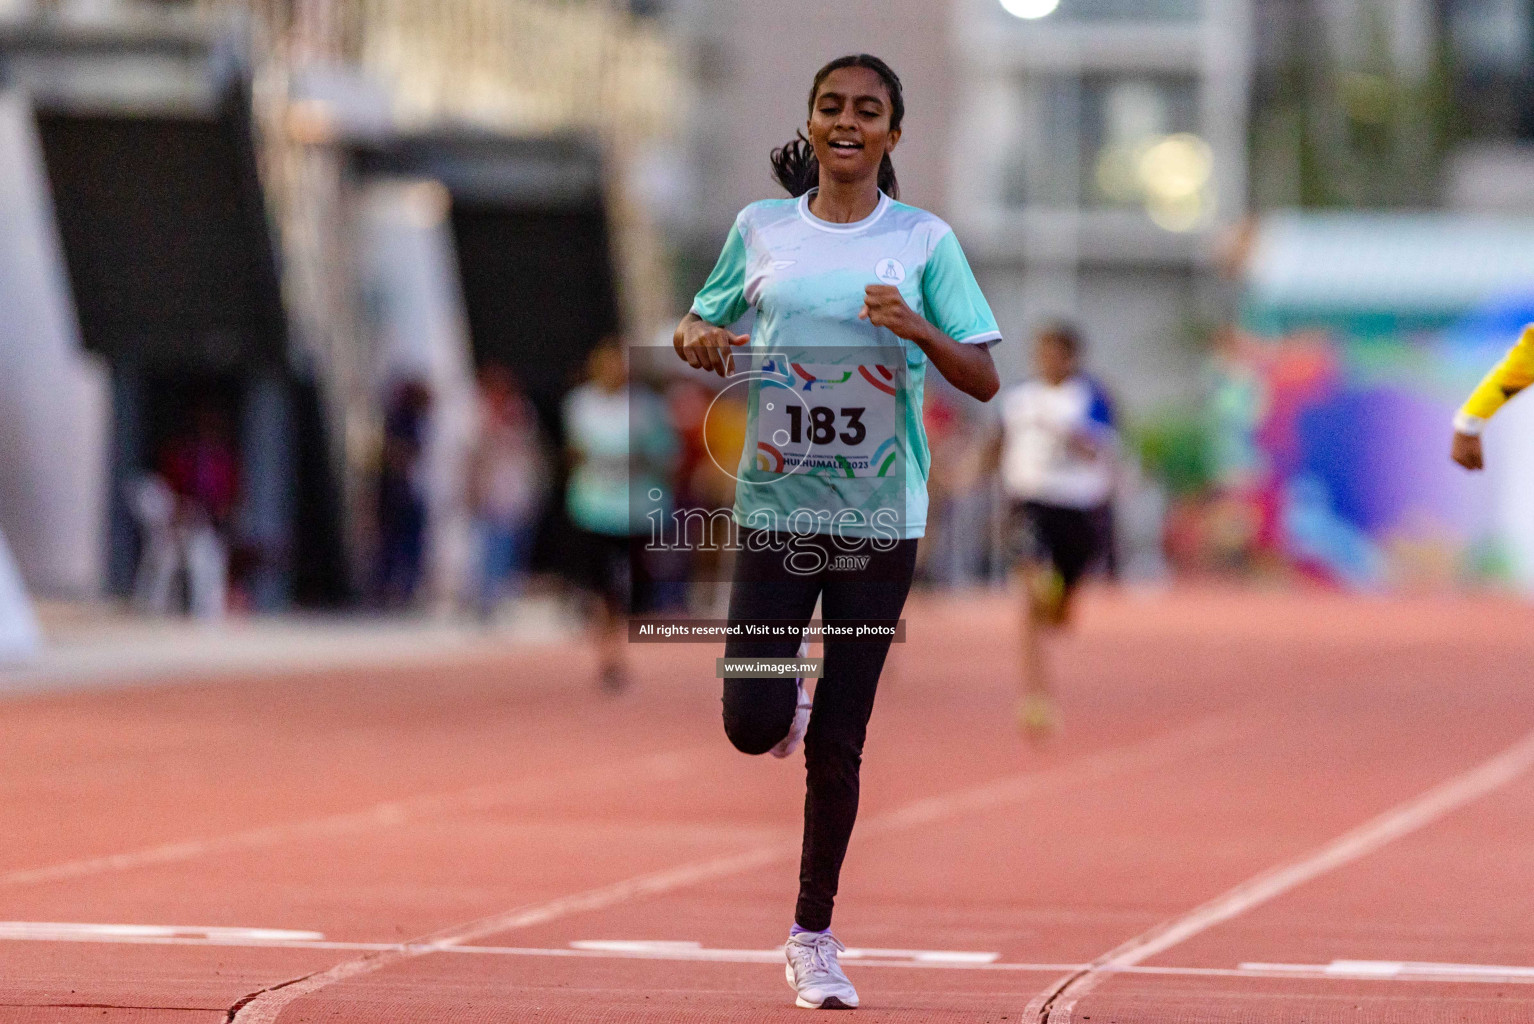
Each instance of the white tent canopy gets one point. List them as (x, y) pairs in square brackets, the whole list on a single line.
[(1404, 264)]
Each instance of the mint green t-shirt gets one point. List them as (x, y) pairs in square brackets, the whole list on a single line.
[(834, 428)]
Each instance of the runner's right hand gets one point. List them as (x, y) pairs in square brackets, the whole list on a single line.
[(706, 347)]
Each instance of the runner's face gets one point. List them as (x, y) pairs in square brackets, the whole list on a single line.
[(1055, 362), (607, 369), (850, 125)]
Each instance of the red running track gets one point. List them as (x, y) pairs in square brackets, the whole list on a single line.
[(1264, 808)]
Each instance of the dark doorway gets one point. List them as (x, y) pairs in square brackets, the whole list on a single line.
[(538, 287), (171, 260), (531, 235), (165, 235)]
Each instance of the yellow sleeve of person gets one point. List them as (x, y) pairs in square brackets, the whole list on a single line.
[(1514, 373)]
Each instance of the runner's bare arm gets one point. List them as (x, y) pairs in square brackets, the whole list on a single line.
[(704, 346), (967, 367), (1513, 374)]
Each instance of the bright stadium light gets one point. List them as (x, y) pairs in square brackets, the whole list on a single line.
[(1030, 9)]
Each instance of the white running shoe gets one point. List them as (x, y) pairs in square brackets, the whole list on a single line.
[(815, 975), (790, 743)]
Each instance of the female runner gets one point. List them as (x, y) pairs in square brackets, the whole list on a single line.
[(844, 275)]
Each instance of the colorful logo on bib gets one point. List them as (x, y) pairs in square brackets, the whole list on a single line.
[(890, 271)]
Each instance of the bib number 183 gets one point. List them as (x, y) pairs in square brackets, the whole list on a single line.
[(822, 425), (840, 420)]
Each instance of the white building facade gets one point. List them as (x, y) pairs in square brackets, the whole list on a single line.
[(1097, 164)]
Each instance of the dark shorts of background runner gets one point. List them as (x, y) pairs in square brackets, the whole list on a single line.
[(1070, 539), (603, 565)]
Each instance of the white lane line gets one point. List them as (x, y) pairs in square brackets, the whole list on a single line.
[(597, 949), (60, 931), (665, 767), (266, 1006), (178, 652), (692, 950), (1398, 970), (639, 946), (921, 956), (696, 952), (1056, 1004)]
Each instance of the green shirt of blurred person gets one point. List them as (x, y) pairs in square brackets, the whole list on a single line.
[(621, 450), (620, 447)]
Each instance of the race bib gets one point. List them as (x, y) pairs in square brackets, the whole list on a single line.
[(829, 420)]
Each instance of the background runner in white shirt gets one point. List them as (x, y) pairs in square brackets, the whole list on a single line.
[(1057, 471)]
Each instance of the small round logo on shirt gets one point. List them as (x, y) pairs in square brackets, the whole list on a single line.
[(890, 270)]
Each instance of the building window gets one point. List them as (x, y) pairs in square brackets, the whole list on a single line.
[(1491, 44), (1130, 10), (1113, 143), (1046, 11), (1492, 36)]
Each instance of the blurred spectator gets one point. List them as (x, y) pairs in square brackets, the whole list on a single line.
[(954, 552), (1237, 403), (154, 512), (619, 446), (676, 566), (18, 625), (1240, 515), (710, 430), (507, 475), (724, 437), (402, 495), (184, 514), (687, 403)]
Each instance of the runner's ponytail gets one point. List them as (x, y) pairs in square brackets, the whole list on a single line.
[(887, 183), (794, 164)]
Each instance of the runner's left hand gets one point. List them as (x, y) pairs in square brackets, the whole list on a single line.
[(884, 306)]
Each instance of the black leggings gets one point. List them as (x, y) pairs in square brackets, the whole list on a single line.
[(759, 712)]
